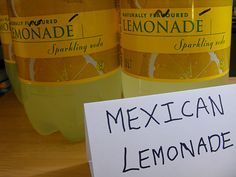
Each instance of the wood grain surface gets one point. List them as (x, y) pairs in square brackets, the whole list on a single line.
[(25, 153)]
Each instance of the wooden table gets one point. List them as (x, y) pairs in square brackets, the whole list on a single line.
[(24, 153)]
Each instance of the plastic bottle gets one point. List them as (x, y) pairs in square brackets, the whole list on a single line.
[(174, 45), (67, 54), (10, 63)]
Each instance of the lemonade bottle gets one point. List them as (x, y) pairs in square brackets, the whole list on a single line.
[(67, 54), (174, 45), (10, 63)]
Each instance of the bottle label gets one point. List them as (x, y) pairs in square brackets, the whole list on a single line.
[(5, 29), (6, 39), (176, 43), (66, 47), (179, 31), (64, 35)]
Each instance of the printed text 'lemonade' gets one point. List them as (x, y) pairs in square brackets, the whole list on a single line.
[(67, 54), (174, 45)]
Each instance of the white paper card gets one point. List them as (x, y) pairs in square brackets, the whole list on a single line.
[(182, 134)]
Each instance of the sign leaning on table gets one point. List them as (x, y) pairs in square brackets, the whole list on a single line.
[(180, 134)]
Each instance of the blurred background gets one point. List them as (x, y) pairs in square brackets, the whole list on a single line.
[(4, 82), (233, 46)]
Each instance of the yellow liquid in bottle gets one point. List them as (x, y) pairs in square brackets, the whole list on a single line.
[(11, 70), (147, 73), (53, 94), (10, 64)]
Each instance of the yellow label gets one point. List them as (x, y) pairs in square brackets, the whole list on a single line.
[(5, 29), (176, 30), (66, 48), (68, 69), (176, 44), (81, 81), (6, 39), (64, 35), (172, 67)]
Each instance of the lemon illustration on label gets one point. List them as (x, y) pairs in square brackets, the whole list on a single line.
[(62, 39), (178, 42), (162, 65)]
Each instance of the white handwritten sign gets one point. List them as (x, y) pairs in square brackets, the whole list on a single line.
[(182, 134)]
